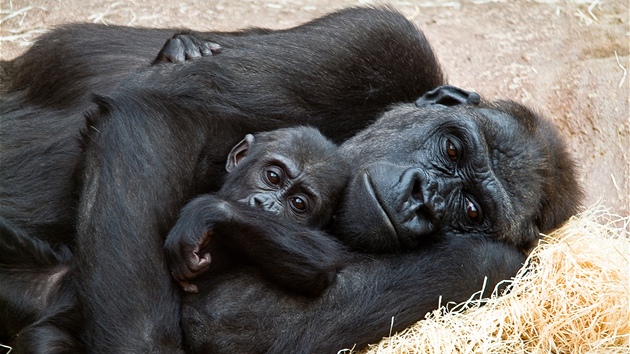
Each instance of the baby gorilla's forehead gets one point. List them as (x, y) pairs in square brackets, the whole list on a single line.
[(319, 166), (307, 150), (302, 142), (312, 165)]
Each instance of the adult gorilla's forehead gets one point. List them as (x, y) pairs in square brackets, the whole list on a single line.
[(404, 129)]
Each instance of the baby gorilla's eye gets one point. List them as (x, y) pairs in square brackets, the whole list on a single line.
[(298, 204), (451, 150), (273, 177)]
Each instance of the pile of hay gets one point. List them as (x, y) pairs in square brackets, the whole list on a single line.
[(574, 298)]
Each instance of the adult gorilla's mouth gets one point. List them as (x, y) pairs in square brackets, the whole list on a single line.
[(398, 205), (385, 219)]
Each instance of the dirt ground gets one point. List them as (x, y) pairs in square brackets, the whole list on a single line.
[(567, 59)]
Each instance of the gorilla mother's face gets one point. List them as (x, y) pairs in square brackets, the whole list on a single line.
[(421, 173)]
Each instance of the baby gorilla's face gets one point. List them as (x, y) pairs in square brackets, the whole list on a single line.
[(296, 173)]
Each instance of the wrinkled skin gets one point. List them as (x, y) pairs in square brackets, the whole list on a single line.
[(497, 170)]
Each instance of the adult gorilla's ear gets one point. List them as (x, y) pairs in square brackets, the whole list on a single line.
[(448, 95), (239, 152)]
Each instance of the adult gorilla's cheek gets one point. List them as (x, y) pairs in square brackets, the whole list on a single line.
[(362, 223)]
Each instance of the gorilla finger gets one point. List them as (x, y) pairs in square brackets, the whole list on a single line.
[(211, 48), (173, 51), (188, 287), (191, 48), (198, 265)]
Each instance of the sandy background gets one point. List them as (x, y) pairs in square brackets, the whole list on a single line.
[(568, 59)]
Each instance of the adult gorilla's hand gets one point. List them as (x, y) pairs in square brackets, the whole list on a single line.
[(184, 46)]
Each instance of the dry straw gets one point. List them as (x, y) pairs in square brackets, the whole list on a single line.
[(572, 297)]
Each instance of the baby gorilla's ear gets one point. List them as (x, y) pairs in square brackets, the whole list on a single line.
[(239, 152)]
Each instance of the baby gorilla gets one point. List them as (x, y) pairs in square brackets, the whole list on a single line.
[(291, 177)]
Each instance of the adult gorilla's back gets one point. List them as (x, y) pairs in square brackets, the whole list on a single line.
[(158, 136), (338, 72), (172, 127)]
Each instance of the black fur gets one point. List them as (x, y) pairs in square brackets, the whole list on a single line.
[(158, 136), (239, 312), (510, 166)]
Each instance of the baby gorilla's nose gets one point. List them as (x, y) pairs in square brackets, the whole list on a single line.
[(266, 203)]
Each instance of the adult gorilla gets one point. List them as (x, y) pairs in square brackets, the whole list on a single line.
[(440, 185), (160, 136)]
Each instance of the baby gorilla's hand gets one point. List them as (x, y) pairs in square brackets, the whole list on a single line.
[(185, 243), (184, 252)]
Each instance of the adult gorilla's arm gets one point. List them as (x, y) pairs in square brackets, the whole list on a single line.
[(238, 312), (139, 169)]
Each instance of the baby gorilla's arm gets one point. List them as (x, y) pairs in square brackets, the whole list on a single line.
[(293, 256)]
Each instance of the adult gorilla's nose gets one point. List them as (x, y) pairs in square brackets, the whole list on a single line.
[(422, 195), (410, 198), (420, 207)]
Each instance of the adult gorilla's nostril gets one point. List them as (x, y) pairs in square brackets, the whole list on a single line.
[(413, 183), (416, 190), (422, 197)]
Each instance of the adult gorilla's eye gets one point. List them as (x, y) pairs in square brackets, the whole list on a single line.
[(451, 150), (273, 177), (298, 204), (472, 210)]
